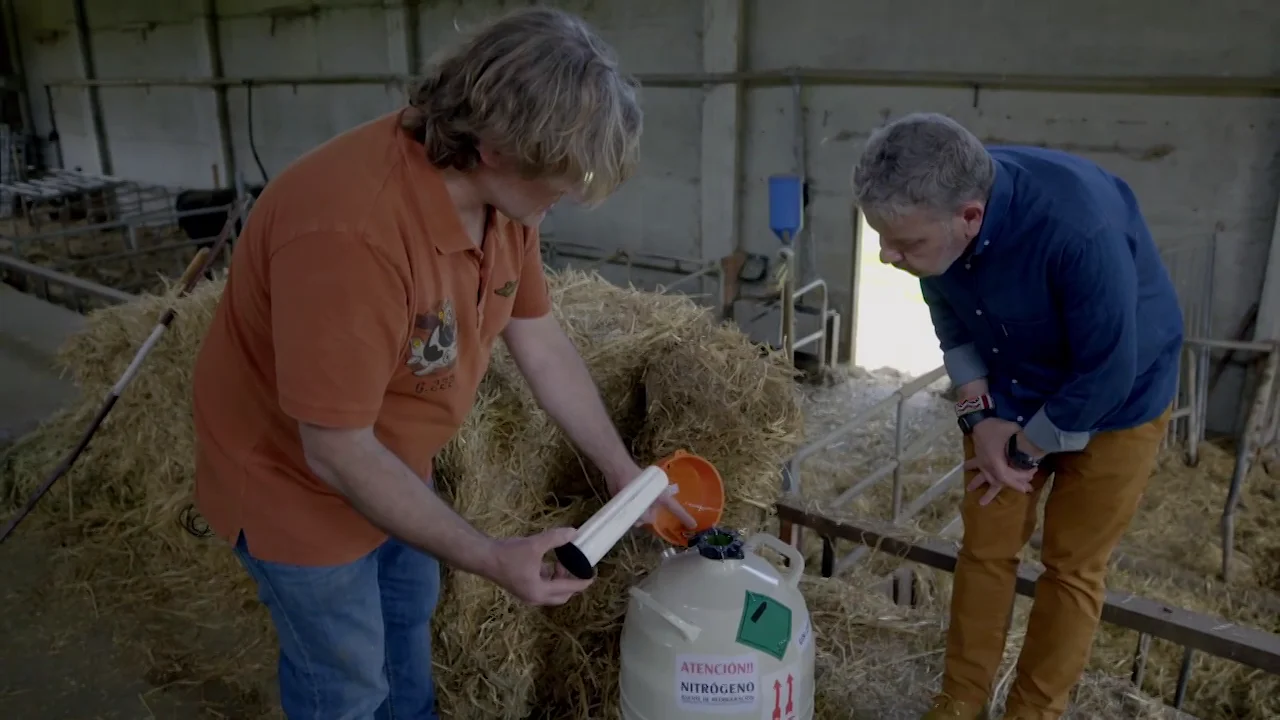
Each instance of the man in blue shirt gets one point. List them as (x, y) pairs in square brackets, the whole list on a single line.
[(1061, 330)]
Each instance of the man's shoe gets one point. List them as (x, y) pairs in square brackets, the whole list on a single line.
[(948, 708)]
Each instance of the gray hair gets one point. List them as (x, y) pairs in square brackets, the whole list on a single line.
[(922, 161)]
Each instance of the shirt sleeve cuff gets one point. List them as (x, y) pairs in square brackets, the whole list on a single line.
[(1041, 431), (964, 364)]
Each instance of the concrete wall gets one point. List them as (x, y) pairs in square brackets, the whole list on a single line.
[(1205, 168)]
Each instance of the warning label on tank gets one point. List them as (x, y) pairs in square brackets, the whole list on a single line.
[(765, 624), (781, 693), (717, 683)]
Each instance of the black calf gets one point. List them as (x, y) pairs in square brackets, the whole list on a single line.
[(204, 227), (207, 225)]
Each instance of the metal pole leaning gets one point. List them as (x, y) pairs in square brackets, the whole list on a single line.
[(788, 300), (1246, 446), (201, 263)]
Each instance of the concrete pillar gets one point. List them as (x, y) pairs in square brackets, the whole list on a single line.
[(84, 44), (1267, 326), (722, 122), (215, 70)]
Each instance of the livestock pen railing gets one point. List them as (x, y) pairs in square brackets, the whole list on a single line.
[(1193, 631), (686, 270), (131, 252), (76, 293), (727, 275), (1187, 422)]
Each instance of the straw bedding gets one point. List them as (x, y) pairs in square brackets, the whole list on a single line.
[(671, 379), (877, 660), (1175, 535)]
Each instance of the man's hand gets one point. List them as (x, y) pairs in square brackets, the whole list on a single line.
[(990, 438), (519, 568), (619, 479)]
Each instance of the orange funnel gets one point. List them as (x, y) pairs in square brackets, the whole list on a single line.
[(700, 491)]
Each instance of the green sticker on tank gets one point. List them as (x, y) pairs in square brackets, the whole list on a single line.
[(765, 625)]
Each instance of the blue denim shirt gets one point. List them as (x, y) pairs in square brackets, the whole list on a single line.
[(1061, 302)]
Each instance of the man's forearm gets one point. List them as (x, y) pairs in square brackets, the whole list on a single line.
[(972, 389), (564, 388), (395, 499)]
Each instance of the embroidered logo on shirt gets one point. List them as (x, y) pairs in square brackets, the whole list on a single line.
[(433, 345), (507, 289)]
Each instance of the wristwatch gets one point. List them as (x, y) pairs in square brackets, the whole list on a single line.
[(1018, 459), (973, 410)]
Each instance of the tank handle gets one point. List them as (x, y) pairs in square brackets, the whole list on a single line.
[(686, 628), (787, 551)]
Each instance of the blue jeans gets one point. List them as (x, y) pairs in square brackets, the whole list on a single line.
[(355, 639)]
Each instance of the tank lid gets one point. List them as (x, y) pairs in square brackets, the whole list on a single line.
[(718, 544)]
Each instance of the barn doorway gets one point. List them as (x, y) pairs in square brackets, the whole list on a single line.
[(893, 326)]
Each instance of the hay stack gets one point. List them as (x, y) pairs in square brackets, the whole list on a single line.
[(669, 375), (671, 379), (119, 514), (681, 382)]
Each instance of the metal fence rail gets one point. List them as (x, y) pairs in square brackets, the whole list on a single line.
[(1192, 413), (1195, 632), (688, 270), (1191, 266), (106, 231), (62, 199), (79, 294)]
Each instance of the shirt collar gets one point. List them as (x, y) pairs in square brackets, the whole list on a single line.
[(997, 210), (444, 226)]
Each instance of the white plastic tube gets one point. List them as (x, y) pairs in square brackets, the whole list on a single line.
[(604, 529)]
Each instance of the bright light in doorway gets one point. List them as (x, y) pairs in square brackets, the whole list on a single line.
[(894, 329)]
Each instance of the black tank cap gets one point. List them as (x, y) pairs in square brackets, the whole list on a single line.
[(718, 544)]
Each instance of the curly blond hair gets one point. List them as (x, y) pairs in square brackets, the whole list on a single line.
[(540, 85)]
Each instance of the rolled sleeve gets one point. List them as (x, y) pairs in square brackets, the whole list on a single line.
[(1050, 438), (959, 353), (532, 300), (964, 364)]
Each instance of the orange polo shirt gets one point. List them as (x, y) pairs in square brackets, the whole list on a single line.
[(355, 298)]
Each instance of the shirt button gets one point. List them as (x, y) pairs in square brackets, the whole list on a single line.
[(978, 312), (966, 266), (986, 243), (1015, 381), (1019, 418), (995, 350)]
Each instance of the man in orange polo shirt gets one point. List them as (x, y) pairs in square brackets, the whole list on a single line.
[(365, 295)]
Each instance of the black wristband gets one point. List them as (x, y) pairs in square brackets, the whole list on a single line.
[(1018, 459), (970, 420)]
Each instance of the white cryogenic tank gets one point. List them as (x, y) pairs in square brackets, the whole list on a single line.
[(717, 631)]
